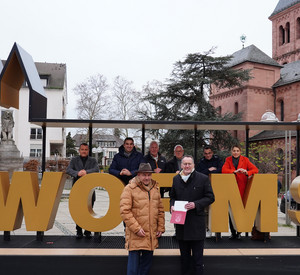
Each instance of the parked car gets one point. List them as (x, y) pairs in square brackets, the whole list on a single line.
[(282, 202)]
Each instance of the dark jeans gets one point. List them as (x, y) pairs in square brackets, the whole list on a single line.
[(232, 229), (191, 256), (78, 228), (139, 262)]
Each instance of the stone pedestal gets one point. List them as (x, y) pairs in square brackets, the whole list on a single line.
[(10, 159)]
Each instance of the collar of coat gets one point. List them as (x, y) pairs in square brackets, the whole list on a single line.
[(186, 177)]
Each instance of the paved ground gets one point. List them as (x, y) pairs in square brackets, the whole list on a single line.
[(64, 225)]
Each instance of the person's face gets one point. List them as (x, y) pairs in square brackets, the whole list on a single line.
[(187, 165), (154, 148), (208, 153), (178, 152), (128, 145), (84, 151), (145, 178), (235, 152)]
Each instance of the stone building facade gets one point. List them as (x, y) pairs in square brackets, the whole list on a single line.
[(275, 84)]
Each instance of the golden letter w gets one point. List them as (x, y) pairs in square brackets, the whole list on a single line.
[(24, 197)]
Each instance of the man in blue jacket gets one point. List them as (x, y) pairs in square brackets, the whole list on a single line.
[(126, 163)]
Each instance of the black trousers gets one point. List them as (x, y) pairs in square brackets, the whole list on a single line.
[(232, 229), (191, 256), (78, 228)]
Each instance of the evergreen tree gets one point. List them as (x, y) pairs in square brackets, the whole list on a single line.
[(70, 146), (185, 97)]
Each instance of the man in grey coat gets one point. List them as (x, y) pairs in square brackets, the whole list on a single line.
[(80, 166)]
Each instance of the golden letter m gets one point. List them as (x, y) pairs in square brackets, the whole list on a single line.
[(259, 203), (23, 196)]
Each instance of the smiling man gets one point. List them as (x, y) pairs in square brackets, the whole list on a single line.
[(80, 166), (126, 162), (194, 187), (142, 211)]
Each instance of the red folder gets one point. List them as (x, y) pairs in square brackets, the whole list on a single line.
[(178, 217)]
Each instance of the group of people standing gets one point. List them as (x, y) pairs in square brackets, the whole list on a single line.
[(141, 206)]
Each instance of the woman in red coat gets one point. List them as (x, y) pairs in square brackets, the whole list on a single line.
[(242, 168)]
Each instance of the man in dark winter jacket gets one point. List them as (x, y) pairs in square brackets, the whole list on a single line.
[(126, 163), (210, 163), (174, 165), (195, 188), (157, 162)]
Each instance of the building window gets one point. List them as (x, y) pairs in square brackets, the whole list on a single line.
[(287, 31), (44, 80), (36, 133), (298, 28), (281, 36), (111, 154), (35, 152), (281, 110), (280, 157), (103, 144), (236, 108)]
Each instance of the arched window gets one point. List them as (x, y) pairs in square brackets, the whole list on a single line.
[(219, 110), (281, 110), (280, 157), (287, 31), (298, 28), (281, 36), (236, 108)]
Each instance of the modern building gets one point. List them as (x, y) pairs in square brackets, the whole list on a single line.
[(27, 136)]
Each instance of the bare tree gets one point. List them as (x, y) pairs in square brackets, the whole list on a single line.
[(92, 101), (126, 99), (92, 97)]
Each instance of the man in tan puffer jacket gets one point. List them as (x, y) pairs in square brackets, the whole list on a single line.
[(142, 211)]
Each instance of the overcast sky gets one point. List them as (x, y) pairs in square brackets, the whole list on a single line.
[(136, 39)]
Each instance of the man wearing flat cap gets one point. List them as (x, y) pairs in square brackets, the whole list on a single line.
[(142, 211)]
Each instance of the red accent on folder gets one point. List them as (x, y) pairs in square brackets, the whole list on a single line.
[(178, 217)]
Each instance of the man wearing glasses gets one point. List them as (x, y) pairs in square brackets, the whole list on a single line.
[(174, 165)]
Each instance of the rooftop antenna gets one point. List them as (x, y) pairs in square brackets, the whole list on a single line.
[(243, 38)]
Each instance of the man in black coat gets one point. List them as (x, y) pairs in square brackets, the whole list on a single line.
[(194, 187), (210, 163), (78, 167), (157, 162), (174, 165)]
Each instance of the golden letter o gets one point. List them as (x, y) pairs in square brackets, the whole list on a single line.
[(80, 205)]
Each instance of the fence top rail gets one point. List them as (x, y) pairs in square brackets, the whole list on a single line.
[(174, 125)]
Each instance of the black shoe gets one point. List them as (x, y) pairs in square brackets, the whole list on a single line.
[(79, 235), (87, 234), (232, 237), (238, 236)]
